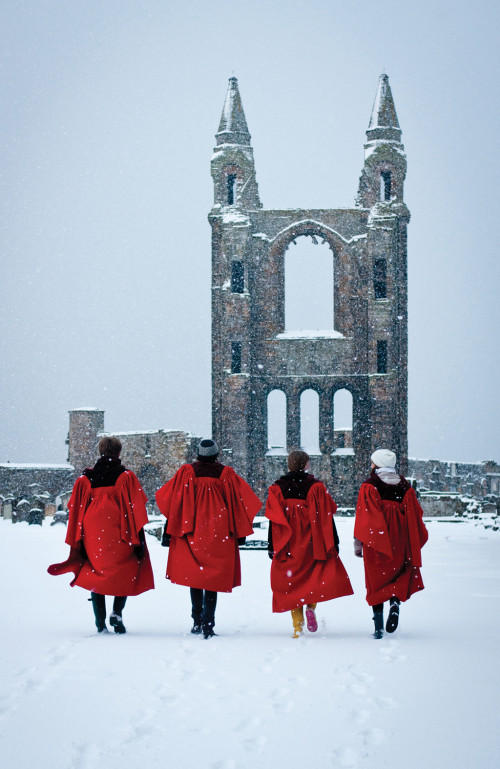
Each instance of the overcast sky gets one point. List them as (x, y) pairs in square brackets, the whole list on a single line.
[(108, 115)]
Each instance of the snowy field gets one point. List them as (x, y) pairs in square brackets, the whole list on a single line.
[(253, 696)]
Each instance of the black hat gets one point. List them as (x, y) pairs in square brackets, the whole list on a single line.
[(208, 448)]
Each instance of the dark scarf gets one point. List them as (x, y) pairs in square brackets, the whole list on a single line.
[(390, 493), (296, 485), (105, 472), (208, 469)]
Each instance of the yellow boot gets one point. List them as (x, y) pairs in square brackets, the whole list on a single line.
[(298, 621)]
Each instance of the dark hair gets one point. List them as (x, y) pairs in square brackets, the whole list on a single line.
[(110, 447), (297, 460)]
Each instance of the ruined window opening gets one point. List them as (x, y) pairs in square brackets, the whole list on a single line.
[(385, 185), (309, 421), (342, 419), (235, 357), (380, 279), (231, 189), (237, 277), (309, 286), (382, 356), (276, 420)]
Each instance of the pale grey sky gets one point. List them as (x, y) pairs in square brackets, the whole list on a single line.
[(109, 110)]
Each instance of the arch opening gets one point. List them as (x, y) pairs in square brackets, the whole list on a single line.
[(309, 421), (342, 421), (309, 285), (276, 422)]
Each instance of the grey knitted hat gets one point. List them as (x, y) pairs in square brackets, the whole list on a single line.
[(207, 448)]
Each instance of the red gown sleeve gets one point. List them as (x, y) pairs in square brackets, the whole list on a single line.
[(282, 531), (77, 505), (176, 501), (417, 531), (132, 501), (370, 526), (242, 503), (321, 509)]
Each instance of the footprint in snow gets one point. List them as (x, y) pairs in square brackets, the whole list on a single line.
[(374, 737), (346, 757), (255, 745), (84, 756), (391, 653), (360, 717), (252, 723), (226, 763), (388, 703)]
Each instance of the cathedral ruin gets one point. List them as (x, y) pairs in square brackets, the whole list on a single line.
[(263, 367), (364, 354)]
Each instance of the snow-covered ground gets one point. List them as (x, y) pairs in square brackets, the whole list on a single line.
[(253, 696)]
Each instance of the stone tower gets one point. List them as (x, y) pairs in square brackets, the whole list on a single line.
[(366, 352), (84, 428)]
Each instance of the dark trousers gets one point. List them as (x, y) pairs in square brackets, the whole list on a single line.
[(203, 603), (380, 606), (99, 606)]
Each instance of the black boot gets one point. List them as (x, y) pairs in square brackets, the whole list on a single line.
[(99, 606), (196, 609), (208, 630), (393, 618), (378, 619), (115, 619), (208, 616)]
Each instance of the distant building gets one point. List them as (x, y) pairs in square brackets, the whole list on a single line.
[(154, 456)]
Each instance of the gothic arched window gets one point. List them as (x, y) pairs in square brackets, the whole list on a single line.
[(276, 420), (309, 422), (342, 419), (309, 286), (385, 185)]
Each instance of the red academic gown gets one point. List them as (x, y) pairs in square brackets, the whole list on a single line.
[(107, 520), (208, 507), (390, 526), (306, 567)]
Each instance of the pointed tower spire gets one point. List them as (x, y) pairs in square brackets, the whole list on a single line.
[(384, 170), (233, 168), (233, 127), (384, 124)]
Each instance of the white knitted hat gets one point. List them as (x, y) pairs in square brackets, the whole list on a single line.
[(384, 458)]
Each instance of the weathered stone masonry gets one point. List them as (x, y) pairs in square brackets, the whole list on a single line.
[(250, 358)]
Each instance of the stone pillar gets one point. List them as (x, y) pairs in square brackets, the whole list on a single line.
[(84, 427), (292, 420), (326, 422)]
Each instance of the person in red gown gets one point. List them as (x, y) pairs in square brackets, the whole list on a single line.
[(389, 534), (108, 552), (303, 544), (208, 508)]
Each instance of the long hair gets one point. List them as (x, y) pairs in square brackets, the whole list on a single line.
[(297, 460)]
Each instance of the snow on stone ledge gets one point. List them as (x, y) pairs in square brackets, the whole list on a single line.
[(234, 217), (311, 334), (36, 466), (343, 452)]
